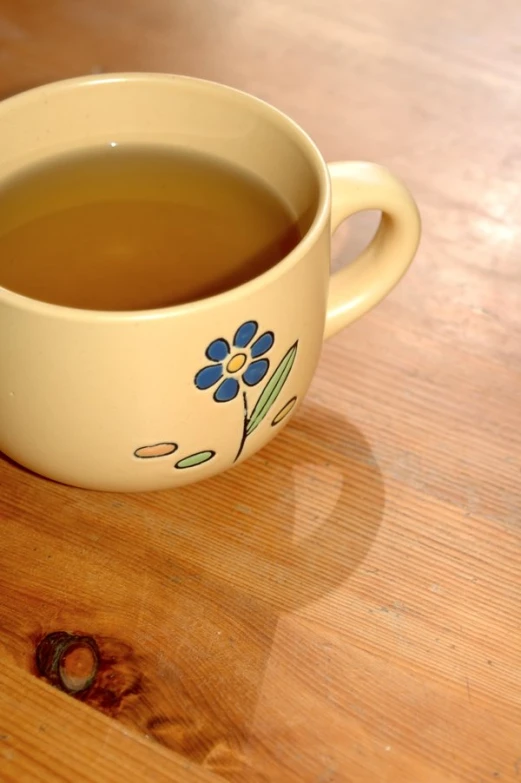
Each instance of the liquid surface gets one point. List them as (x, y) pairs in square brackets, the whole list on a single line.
[(130, 228)]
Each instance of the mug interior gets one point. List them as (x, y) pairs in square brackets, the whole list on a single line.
[(164, 110)]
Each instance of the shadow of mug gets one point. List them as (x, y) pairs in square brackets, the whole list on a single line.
[(280, 532), (182, 591)]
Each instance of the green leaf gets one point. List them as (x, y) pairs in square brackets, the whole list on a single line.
[(195, 459), (272, 390)]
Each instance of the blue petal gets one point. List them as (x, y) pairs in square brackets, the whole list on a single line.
[(218, 350), (245, 333), (256, 372), (262, 344), (227, 390), (208, 376)]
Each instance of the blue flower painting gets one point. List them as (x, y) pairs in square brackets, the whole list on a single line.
[(234, 366), (243, 362)]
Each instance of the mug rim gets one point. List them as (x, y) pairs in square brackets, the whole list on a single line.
[(300, 136)]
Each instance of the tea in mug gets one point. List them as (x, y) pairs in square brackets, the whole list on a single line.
[(127, 227)]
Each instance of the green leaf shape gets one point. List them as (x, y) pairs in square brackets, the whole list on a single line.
[(272, 390), (195, 459)]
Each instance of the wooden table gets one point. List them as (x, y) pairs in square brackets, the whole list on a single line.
[(346, 606)]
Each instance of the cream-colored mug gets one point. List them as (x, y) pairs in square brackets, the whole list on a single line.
[(154, 399)]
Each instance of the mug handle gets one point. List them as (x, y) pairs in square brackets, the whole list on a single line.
[(354, 290)]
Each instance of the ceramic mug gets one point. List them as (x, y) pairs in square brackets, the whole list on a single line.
[(153, 399)]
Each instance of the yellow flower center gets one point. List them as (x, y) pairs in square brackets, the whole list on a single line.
[(236, 363)]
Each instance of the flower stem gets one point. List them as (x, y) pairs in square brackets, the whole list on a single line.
[(245, 427)]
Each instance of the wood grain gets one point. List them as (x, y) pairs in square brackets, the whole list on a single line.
[(346, 606), (45, 736)]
